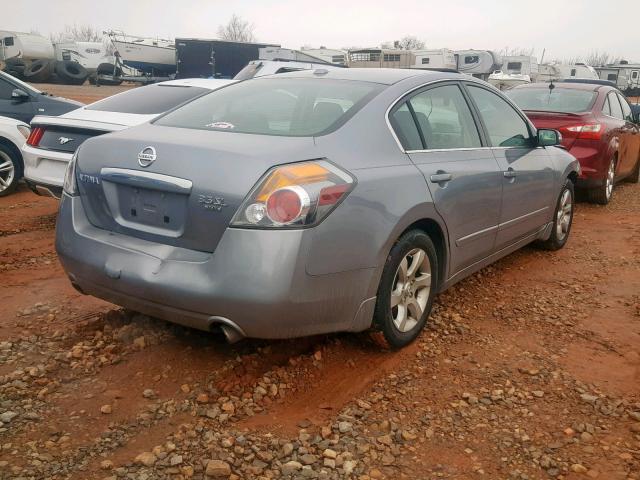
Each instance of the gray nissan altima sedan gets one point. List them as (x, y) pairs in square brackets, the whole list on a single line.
[(312, 202)]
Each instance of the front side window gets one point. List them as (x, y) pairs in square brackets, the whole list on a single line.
[(152, 99), (566, 100), (469, 59), (299, 107), (614, 104), (444, 119), (626, 109), (505, 127)]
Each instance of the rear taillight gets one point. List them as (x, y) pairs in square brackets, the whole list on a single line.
[(35, 136), (294, 195), (590, 131)]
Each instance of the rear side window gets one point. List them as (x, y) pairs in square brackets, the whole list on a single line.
[(297, 107), (614, 104), (606, 108), (149, 100), (505, 127), (444, 118), (405, 127)]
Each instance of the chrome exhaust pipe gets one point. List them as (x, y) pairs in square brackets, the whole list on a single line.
[(231, 334)]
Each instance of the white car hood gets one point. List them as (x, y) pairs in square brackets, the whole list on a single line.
[(117, 118)]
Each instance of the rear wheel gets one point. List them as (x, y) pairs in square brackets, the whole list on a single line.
[(10, 170), (406, 290), (562, 219), (603, 194)]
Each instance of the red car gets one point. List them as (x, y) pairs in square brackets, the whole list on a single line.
[(597, 126)]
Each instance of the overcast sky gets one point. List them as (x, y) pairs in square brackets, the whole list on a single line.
[(566, 28)]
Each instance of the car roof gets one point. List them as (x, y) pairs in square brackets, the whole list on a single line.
[(592, 87), (209, 83), (386, 76)]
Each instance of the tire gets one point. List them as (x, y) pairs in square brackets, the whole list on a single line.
[(107, 69), (10, 169), (414, 290), (71, 73), (562, 219), (39, 71), (602, 195)]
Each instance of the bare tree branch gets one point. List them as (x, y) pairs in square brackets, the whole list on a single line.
[(410, 42), (237, 30), (77, 33)]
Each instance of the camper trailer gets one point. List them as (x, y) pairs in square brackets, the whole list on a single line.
[(520, 65), (443, 58), (337, 57), (478, 63), (279, 53), (87, 54), (24, 46), (560, 71), (625, 75), (381, 58)]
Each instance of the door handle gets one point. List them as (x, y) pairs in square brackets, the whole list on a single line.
[(510, 173), (441, 177)]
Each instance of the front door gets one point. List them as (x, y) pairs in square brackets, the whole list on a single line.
[(437, 129), (9, 107), (528, 182)]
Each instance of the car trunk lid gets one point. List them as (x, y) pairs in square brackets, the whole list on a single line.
[(193, 183), (560, 121)]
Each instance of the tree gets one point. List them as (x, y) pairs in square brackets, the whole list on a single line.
[(77, 33), (237, 30), (410, 42), (517, 51), (597, 58)]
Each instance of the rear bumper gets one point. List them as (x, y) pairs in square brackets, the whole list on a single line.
[(45, 168), (255, 281), (44, 189), (593, 162)]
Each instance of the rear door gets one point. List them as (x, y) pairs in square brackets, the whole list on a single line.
[(439, 133), (629, 148), (528, 182)]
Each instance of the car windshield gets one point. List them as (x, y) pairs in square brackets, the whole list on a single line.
[(149, 100), (553, 100), (297, 107)]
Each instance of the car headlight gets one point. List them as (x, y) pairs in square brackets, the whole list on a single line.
[(295, 195), (24, 130), (70, 185)]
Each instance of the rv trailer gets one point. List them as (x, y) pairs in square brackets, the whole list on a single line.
[(381, 58), (478, 63), (625, 75), (87, 54), (337, 57), (24, 46), (560, 71), (442, 58)]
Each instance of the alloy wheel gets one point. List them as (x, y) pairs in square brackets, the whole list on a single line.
[(563, 215), (410, 290), (611, 173), (7, 171)]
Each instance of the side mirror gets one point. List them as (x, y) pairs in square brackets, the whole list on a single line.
[(549, 138), (19, 95)]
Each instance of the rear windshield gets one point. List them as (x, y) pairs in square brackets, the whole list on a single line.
[(556, 100), (152, 99), (298, 107)]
